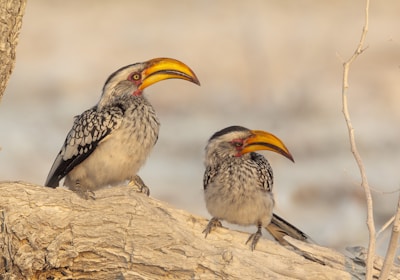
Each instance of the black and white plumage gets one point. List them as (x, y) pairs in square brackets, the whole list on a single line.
[(110, 142), (238, 182)]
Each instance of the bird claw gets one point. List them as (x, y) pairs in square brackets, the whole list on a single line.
[(86, 194), (213, 223), (254, 238), (137, 184), (83, 192)]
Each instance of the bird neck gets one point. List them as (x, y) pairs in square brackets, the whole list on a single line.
[(124, 101), (215, 158)]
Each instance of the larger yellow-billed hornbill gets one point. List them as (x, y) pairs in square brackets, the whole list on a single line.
[(238, 183), (110, 142)]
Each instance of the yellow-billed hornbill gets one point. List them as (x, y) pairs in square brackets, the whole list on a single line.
[(110, 142), (238, 182)]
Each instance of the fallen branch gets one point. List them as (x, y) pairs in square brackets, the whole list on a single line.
[(126, 235)]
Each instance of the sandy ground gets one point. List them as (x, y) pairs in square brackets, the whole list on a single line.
[(271, 65)]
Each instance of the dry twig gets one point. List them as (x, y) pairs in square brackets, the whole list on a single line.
[(392, 245), (364, 181)]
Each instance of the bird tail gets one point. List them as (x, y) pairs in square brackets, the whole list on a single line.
[(279, 228)]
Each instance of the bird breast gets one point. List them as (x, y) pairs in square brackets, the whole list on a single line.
[(237, 195)]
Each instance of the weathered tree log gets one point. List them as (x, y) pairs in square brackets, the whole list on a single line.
[(55, 234), (11, 12)]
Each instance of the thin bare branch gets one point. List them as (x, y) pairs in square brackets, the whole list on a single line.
[(364, 181), (385, 226), (391, 252)]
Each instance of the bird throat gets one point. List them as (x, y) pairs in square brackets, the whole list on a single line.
[(137, 92)]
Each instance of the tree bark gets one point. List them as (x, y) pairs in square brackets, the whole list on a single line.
[(11, 12), (55, 234)]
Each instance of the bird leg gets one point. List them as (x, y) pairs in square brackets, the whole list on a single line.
[(138, 185), (213, 223), (255, 237)]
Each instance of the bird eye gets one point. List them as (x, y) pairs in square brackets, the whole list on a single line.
[(237, 144), (135, 77)]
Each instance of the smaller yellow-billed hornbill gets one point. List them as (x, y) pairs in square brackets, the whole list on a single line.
[(238, 182)]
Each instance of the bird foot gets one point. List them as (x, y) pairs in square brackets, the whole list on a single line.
[(254, 238), (89, 195), (137, 184), (82, 191), (86, 194), (213, 223)]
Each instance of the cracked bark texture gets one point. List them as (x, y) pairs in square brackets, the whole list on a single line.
[(54, 234), (11, 12)]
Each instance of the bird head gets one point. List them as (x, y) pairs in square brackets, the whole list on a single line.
[(237, 141), (134, 78)]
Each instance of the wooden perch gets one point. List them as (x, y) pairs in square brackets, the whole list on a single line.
[(54, 234), (11, 13)]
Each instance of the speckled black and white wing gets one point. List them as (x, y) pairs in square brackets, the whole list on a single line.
[(209, 175), (88, 130), (264, 171)]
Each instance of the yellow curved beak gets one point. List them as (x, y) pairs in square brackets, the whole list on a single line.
[(159, 69), (262, 140)]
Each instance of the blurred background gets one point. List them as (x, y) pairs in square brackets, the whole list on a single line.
[(272, 65)]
